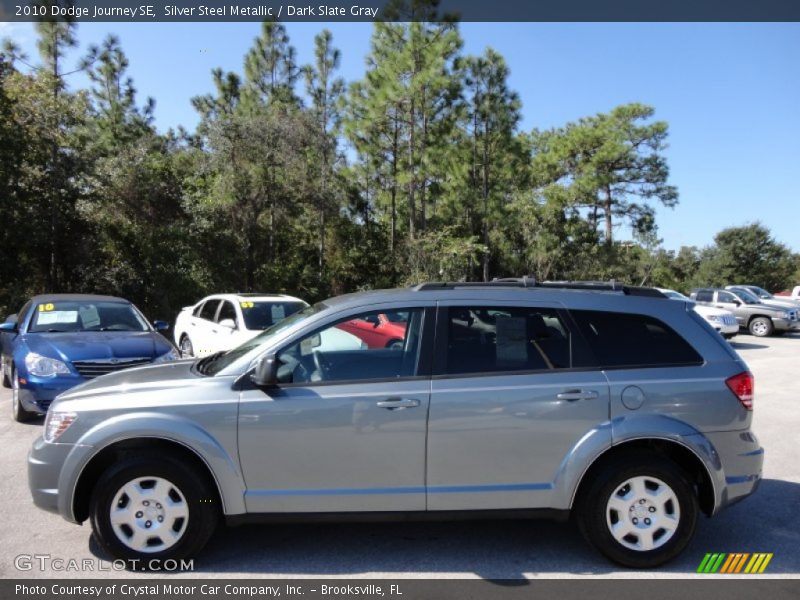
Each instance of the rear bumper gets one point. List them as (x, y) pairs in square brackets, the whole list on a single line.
[(742, 459)]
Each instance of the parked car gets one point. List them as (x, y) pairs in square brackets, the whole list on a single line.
[(765, 296), (610, 403), (224, 321), (724, 321), (381, 330), (57, 341), (759, 318)]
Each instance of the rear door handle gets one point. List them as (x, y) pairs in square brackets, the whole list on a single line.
[(577, 395), (397, 403)]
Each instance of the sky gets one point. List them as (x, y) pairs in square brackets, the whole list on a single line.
[(730, 93)]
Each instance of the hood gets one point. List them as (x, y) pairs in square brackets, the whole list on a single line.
[(150, 378), (783, 303), (772, 307), (88, 345)]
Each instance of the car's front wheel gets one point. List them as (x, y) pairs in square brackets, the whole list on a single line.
[(152, 507), (4, 372), (19, 412), (761, 327), (639, 512)]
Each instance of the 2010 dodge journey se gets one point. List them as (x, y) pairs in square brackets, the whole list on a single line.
[(509, 398)]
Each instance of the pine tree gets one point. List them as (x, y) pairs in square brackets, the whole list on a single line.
[(492, 115), (325, 91)]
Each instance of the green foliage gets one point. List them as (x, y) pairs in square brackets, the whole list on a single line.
[(750, 255), (438, 182)]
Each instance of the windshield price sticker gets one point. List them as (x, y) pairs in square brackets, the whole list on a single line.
[(47, 307), (247, 304)]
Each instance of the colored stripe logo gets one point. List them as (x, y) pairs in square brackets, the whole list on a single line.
[(728, 563)]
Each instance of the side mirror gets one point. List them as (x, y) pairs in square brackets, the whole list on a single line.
[(12, 318), (161, 325), (8, 327), (266, 372), (229, 323), (737, 303)]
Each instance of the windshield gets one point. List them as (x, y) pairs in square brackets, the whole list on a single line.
[(747, 297), (72, 316), (760, 292), (261, 315), (674, 295), (211, 365)]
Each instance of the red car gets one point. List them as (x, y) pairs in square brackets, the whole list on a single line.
[(383, 330)]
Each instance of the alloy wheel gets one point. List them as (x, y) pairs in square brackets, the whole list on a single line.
[(149, 514), (643, 513)]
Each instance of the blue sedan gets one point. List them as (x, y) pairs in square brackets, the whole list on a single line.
[(57, 341)]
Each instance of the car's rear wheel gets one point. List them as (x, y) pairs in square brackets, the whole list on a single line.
[(153, 507), (761, 327), (639, 512), (187, 350), (19, 412)]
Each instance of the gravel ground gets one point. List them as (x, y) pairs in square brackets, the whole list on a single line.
[(766, 522)]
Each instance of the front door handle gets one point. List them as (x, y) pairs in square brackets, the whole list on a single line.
[(397, 403), (577, 395)]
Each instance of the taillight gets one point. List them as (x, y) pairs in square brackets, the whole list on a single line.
[(742, 387)]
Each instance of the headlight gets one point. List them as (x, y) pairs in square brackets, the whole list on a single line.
[(42, 366), (168, 356), (715, 318), (57, 423), (785, 315)]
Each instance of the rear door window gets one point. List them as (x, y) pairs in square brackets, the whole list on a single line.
[(489, 339), (633, 340)]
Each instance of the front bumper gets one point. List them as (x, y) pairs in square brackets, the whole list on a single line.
[(785, 324), (726, 330), (44, 468), (37, 393)]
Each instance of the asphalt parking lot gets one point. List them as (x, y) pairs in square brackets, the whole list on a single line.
[(766, 522)]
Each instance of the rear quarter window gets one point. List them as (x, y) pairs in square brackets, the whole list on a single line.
[(633, 340)]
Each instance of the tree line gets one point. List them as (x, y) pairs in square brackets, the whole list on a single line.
[(296, 181)]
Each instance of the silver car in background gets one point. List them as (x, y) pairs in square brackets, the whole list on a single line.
[(505, 399)]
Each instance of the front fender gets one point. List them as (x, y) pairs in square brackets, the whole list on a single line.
[(223, 466)]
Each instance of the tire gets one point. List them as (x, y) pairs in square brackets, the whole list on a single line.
[(761, 327), (19, 412), (6, 380), (639, 543), (167, 489), (186, 348), (395, 345)]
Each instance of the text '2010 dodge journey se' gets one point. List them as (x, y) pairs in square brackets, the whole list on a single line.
[(509, 398)]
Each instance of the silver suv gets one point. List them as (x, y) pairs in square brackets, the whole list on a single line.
[(510, 398)]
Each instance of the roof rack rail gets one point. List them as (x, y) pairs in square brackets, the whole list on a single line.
[(530, 282)]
